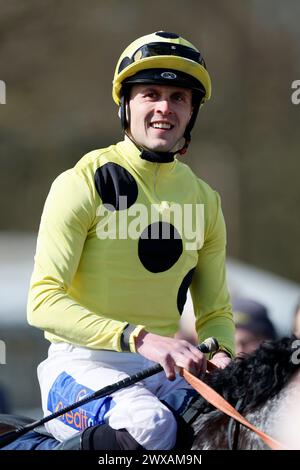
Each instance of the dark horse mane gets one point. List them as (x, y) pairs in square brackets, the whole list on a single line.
[(253, 380)]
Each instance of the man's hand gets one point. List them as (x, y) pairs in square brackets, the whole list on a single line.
[(221, 360), (171, 353)]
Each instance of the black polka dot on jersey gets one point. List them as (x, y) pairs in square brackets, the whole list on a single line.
[(182, 292), (159, 247), (116, 186)]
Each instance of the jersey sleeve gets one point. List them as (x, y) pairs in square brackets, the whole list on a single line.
[(209, 289), (68, 215)]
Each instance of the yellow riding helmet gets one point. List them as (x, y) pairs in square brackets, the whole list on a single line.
[(161, 50)]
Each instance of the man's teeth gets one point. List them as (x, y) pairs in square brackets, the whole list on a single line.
[(161, 125)]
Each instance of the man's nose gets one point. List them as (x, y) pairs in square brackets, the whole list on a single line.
[(164, 106)]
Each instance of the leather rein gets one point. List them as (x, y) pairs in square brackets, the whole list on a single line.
[(221, 404)]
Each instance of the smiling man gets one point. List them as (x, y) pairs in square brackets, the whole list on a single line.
[(111, 305), (159, 115)]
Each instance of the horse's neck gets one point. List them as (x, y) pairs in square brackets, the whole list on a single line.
[(212, 428), (279, 417), (265, 418), (288, 425), (210, 431)]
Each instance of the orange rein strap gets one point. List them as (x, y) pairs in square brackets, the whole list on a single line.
[(220, 403)]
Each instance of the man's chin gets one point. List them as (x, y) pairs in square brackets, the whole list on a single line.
[(159, 147)]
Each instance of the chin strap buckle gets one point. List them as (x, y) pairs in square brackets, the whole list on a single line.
[(183, 150)]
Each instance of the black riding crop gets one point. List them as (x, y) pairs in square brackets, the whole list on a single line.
[(208, 346)]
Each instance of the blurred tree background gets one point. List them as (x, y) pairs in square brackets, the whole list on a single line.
[(57, 59)]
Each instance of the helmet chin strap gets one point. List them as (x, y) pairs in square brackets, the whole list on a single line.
[(150, 155), (157, 157)]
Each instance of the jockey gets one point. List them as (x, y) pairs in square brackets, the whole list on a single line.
[(117, 250)]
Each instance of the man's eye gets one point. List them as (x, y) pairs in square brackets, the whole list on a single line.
[(178, 97), (150, 95)]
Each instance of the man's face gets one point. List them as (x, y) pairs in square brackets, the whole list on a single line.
[(246, 342), (159, 115)]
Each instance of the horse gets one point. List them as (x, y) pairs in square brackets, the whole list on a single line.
[(265, 388), (262, 386)]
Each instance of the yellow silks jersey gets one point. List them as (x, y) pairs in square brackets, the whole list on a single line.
[(116, 247)]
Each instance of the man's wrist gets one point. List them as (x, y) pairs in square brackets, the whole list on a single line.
[(128, 337), (139, 339)]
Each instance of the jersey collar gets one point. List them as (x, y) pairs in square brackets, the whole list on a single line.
[(137, 157)]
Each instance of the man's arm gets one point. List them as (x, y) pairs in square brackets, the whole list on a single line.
[(209, 289), (68, 215)]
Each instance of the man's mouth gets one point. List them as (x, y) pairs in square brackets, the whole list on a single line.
[(161, 125)]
